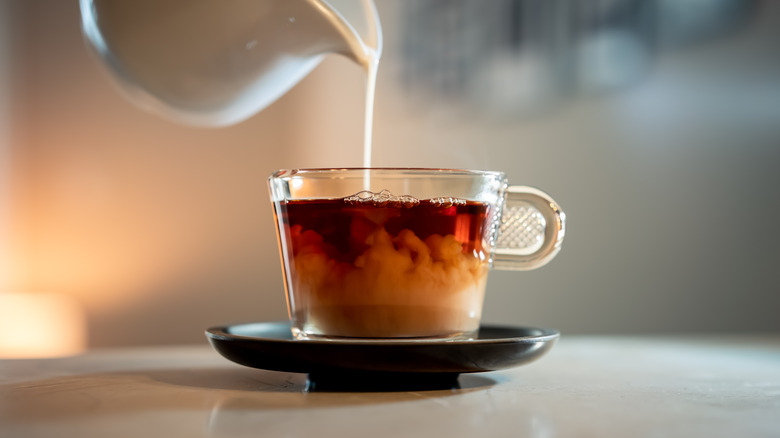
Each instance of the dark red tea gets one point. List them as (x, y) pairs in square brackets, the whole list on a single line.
[(374, 266)]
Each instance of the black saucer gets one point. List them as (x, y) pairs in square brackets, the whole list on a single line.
[(270, 346)]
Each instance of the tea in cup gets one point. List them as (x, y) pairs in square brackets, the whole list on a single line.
[(389, 254)]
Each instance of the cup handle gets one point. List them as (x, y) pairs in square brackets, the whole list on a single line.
[(531, 230)]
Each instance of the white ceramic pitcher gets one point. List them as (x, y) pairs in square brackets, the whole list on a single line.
[(218, 62)]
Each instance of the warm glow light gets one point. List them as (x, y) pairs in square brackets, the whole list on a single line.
[(40, 325)]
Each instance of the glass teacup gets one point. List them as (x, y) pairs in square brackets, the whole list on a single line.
[(400, 253)]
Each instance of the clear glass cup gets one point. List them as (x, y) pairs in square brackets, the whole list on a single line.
[(401, 253)]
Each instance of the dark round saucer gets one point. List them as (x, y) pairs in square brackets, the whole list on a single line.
[(270, 346)]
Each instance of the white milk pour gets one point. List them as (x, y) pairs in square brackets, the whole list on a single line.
[(218, 62), (366, 48), (369, 123)]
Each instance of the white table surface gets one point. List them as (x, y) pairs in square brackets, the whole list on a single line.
[(585, 387)]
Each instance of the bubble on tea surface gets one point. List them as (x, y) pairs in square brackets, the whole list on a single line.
[(385, 198), (446, 201)]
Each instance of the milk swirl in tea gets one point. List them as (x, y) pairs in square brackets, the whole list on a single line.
[(384, 266)]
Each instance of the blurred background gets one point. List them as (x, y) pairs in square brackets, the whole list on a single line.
[(654, 123)]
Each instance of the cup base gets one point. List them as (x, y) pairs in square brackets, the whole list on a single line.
[(303, 335)]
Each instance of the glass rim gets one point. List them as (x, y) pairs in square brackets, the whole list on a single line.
[(426, 171)]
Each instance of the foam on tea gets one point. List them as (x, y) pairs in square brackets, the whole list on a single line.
[(376, 265)]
